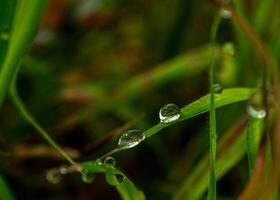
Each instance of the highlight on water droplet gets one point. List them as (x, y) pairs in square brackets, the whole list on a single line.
[(256, 112), (226, 14), (54, 176), (88, 177), (110, 161), (218, 88), (120, 177), (130, 139), (169, 113)]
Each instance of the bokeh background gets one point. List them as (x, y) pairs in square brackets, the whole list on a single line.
[(98, 67)]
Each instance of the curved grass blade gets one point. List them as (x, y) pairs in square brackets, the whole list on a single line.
[(201, 105), (126, 189), (231, 148), (27, 16), (5, 192), (254, 132)]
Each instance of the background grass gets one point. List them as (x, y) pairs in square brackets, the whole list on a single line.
[(89, 70)]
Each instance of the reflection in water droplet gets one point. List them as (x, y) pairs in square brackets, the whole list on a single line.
[(169, 113), (110, 161), (54, 176), (130, 139), (226, 14), (88, 177), (218, 88), (120, 177), (255, 112)]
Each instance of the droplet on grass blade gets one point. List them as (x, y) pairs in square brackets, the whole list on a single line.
[(226, 14), (54, 176), (110, 161), (169, 113), (218, 88), (130, 139), (256, 112), (120, 177), (88, 177)]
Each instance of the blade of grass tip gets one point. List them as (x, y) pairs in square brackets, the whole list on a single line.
[(254, 132), (5, 192), (27, 17), (212, 193), (28, 117)]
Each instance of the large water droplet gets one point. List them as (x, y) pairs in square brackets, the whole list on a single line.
[(226, 14), (218, 88), (256, 112), (169, 113), (54, 176), (88, 177), (110, 161), (130, 139)]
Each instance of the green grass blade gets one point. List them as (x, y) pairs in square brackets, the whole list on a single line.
[(27, 16), (5, 192), (231, 148), (6, 19), (126, 189), (212, 193), (254, 132), (201, 105), (28, 117)]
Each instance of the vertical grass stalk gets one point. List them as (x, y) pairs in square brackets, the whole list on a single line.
[(212, 193)]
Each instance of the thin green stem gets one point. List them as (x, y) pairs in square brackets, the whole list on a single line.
[(212, 193), (28, 117)]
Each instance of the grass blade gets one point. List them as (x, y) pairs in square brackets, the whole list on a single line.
[(212, 193), (254, 132), (201, 105), (5, 192), (126, 189)]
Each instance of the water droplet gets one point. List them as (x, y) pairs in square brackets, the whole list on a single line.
[(226, 14), (54, 176), (111, 179), (99, 162), (169, 113), (256, 112), (218, 88), (229, 49), (63, 170), (5, 34), (130, 139), (120, 177), (88, 177), (110, 161)]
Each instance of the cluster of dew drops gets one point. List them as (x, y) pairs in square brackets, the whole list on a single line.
[(129, 139)]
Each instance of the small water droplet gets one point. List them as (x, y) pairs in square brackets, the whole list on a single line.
[(54, 176), (120, 177), (110, 161), (226, 14), (256, 112), (218, 88), (88, 177), (111, 179), (63, 170), (169, 113), (130, 139), (99, 162)]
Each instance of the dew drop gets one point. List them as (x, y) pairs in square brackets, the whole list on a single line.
[(226, 14), (54, 176), (63, 170), (111, 179), (130, 139), (88, 177), (120, 177), (110, 161), (218, 88), (256, 112), (169, 113)]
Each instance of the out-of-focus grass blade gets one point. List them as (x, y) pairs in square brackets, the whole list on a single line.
[(254, 132), (126, 188), (27, 16), (231, 148), (228, 96), (5, 192), (6, 19)]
